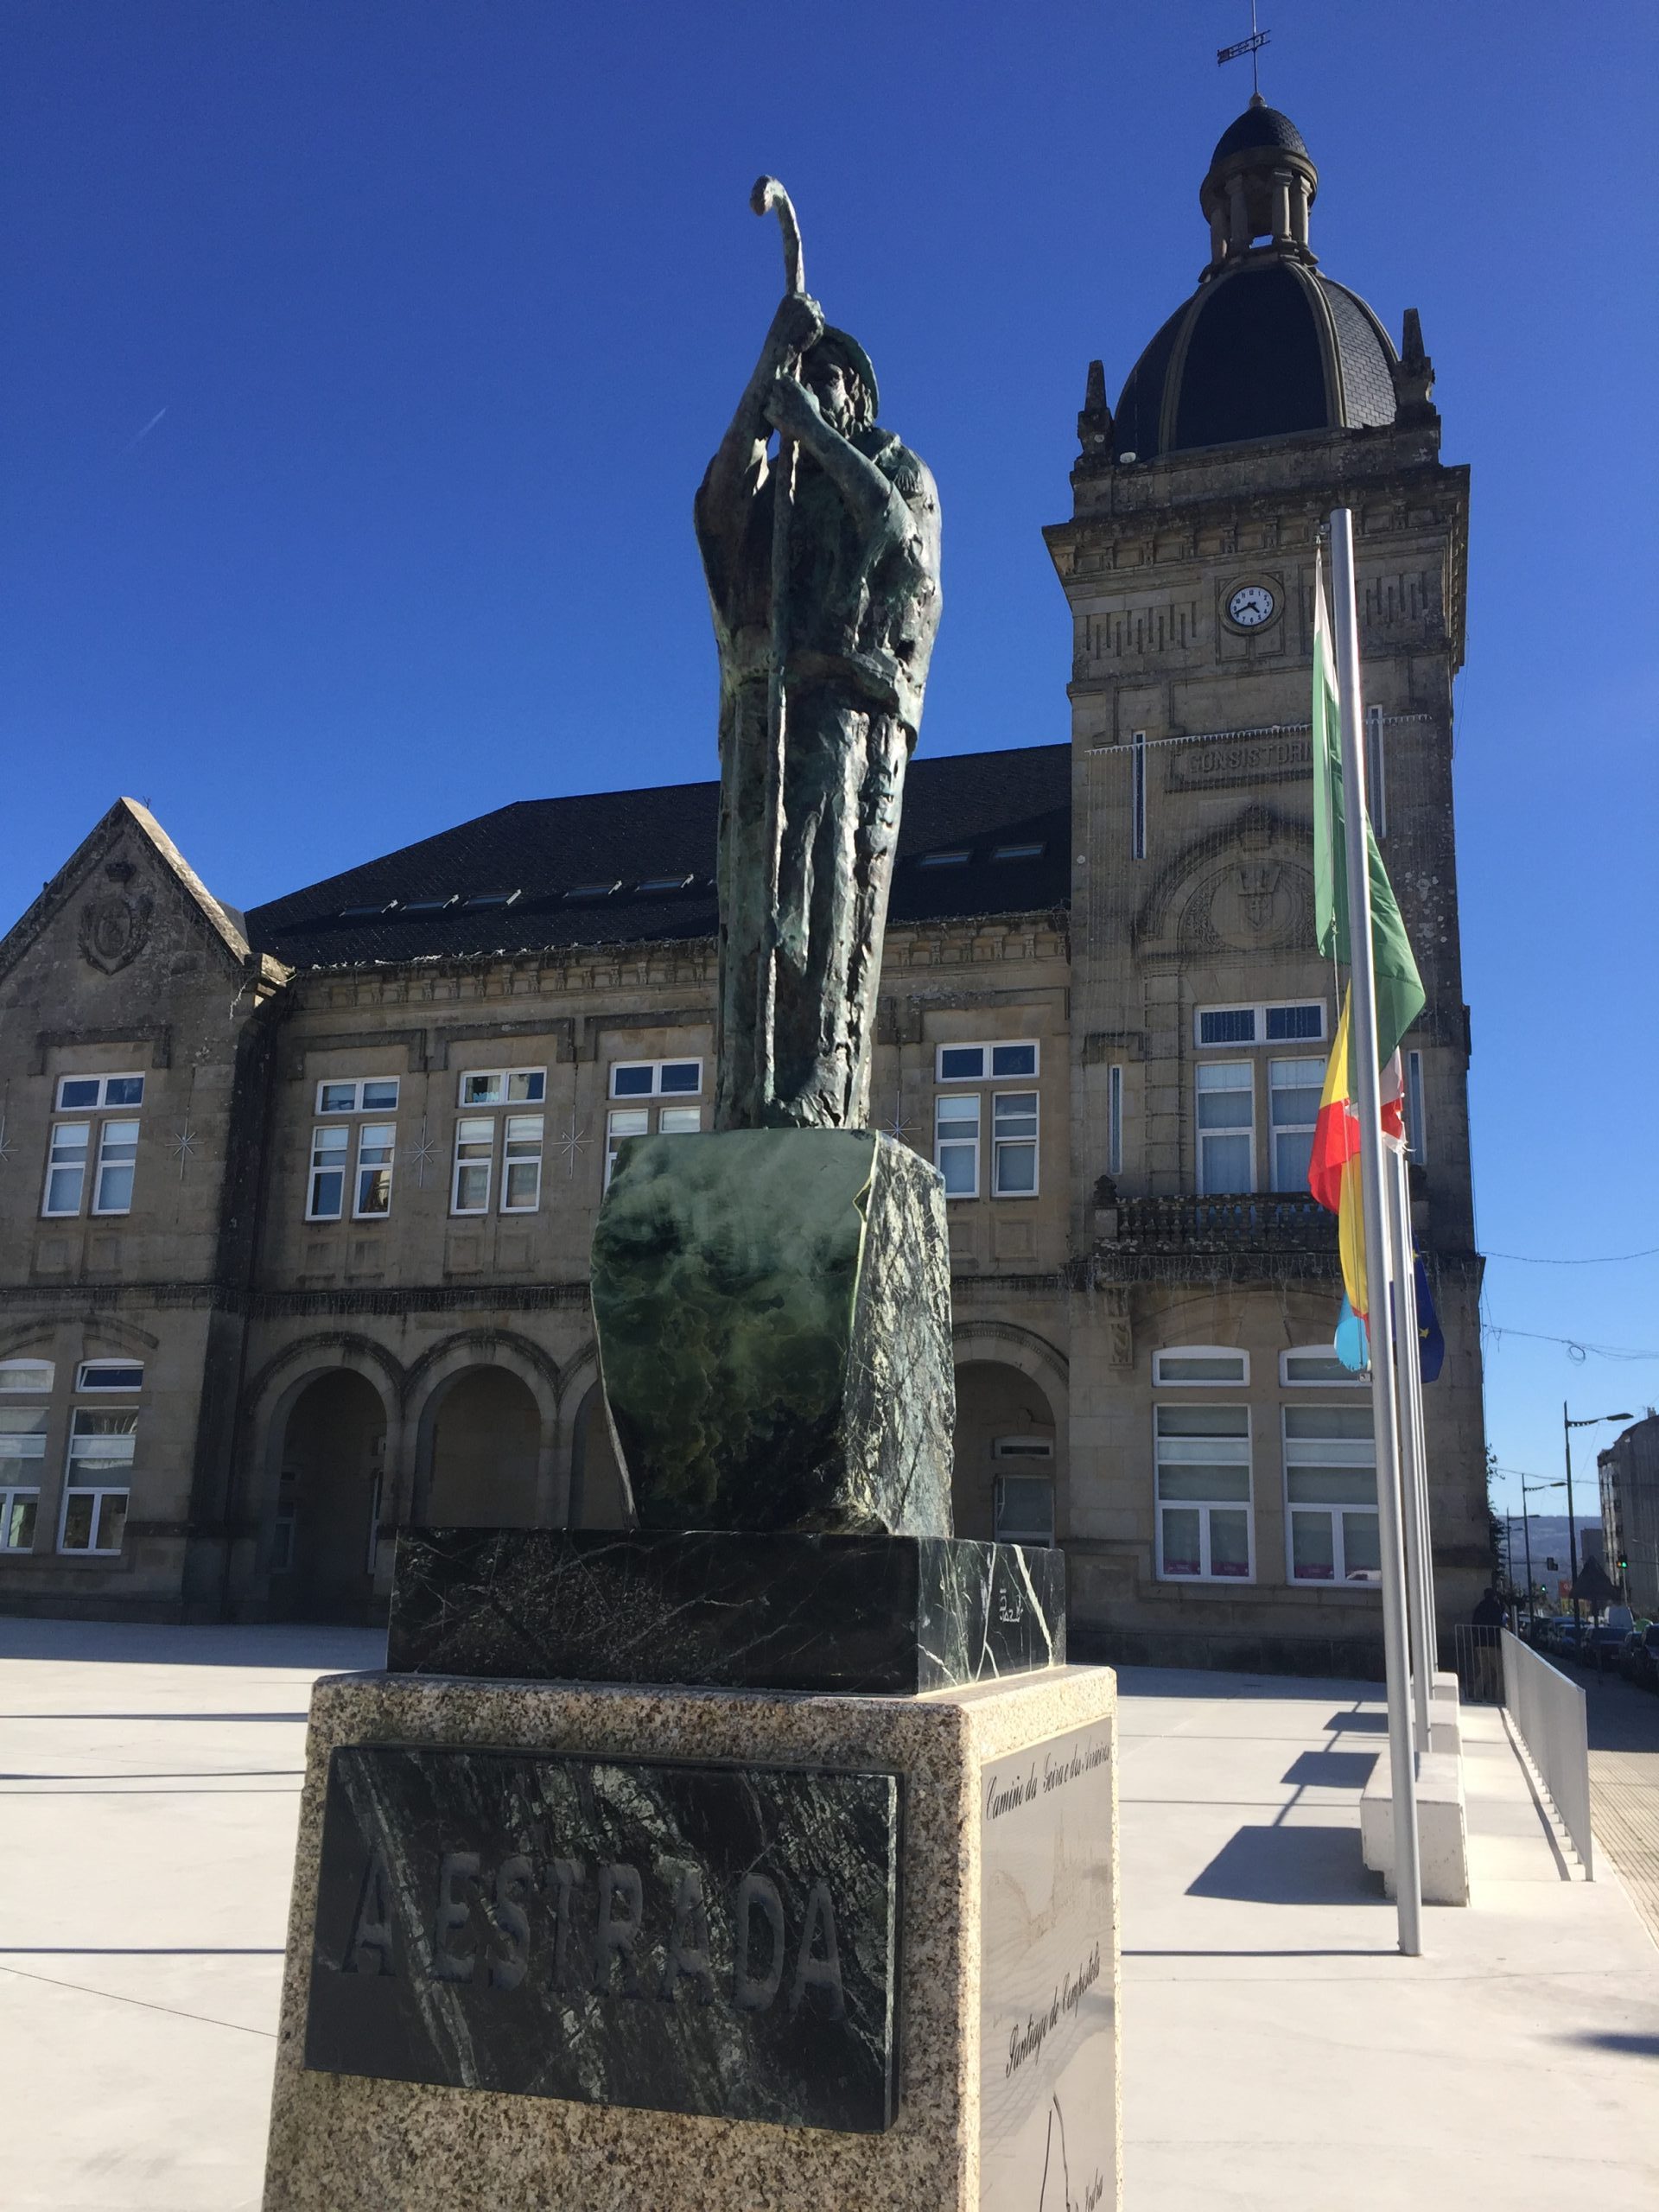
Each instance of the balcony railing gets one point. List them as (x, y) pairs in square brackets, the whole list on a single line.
[(1249, 1223)]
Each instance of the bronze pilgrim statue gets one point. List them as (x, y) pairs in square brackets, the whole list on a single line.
[(822, 563)]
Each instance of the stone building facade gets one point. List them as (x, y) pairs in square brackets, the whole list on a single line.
[(1628, 1480), (294, 1207)]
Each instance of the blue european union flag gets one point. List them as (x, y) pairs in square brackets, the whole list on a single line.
[(1431, 1343)]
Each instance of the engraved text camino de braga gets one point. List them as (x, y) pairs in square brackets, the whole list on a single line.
[(1006, 1791)]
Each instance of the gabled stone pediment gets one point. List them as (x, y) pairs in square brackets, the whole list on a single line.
[(118, 889), (1245, 888)]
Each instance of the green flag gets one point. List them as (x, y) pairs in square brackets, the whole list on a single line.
[(1400, 994)]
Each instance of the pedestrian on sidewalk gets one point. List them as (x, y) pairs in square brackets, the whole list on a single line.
[(1488, 1622)]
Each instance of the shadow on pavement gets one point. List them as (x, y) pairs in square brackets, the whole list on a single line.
[(1288, 1865), (1332, 1769)]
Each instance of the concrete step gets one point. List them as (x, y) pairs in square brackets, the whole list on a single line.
[(1442, 1826)]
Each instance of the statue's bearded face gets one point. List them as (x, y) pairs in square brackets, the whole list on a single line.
[(838, 393)]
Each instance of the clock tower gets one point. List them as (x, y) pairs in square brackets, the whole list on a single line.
[(1222, 1503)]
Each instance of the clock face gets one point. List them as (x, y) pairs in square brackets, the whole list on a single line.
[(1251, 605)]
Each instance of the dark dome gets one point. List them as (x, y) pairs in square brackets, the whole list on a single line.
[(1259, 125), (1261, 350)]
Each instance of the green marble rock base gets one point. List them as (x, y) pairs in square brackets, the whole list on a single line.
[(773, 1312)]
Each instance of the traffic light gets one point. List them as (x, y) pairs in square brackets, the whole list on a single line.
[(1553, 1565)]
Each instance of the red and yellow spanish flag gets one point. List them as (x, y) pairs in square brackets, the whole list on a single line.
[(1333, 1166)]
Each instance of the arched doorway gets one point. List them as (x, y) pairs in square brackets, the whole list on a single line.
[(1003, 1474), (487, 1442), (598, 1499), (332, 1456)]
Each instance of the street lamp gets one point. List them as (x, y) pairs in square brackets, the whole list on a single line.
[(1590, 1420)]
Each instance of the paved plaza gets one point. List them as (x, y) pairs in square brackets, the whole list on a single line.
[(1277, 2050)]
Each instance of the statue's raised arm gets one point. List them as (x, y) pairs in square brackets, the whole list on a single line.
[(823, 572)]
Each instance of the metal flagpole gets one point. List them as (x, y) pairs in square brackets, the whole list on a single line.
[(1407, 1356), (1427, 1521), (1408, 1866)]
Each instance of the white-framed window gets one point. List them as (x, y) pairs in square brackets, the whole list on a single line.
[(975, 1063), (22, 1451), (1306, 1366), (325, 1194), (282, 1541), (19, 1511), (656, 1078), (66, 1168), (1203, 1493), (110, 1374), (117, 1156), (474, 1162), (1022, 1448), (1022, 1496), (369, 1094), (1115, 1121), (1293, 1088), (1291, 1021), (35, 1376), (371, 1198), (1376, 772), (1416, 1128), (638, 1121), (1226, 1126), (1013, 1144), (1203, 1364), (1022, 1510), (503, 1087), (521, 1162), (956, 1142), (1331, 1494), (23, 1432), (76, 1093), (101, 1446)]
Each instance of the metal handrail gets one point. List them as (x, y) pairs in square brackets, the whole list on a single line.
[(1552, 1719)]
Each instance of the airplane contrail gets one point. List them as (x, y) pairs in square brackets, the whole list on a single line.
[(145, 432)]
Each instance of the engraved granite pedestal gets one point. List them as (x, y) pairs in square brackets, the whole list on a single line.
[(577, 1948)]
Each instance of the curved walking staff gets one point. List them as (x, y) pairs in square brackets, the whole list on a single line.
[(823, 572)]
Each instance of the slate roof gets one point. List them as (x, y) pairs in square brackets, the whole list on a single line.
[(1250, 356), (1259, 125), (576, 869)]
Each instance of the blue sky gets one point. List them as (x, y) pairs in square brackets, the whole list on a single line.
[(362, 356)]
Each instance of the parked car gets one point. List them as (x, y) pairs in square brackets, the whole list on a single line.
[(1603, 1644), (1643, 1664), (1564, 1638)]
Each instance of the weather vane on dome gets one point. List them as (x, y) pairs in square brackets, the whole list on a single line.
[(1252, 46)]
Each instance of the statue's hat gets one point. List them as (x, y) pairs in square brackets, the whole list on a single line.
[(843, 342)]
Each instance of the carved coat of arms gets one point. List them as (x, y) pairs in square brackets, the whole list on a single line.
[(114, 928)]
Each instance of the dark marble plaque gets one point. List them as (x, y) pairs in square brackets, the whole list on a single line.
[(873, 1615), (773, 1314), (687, 1938)]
